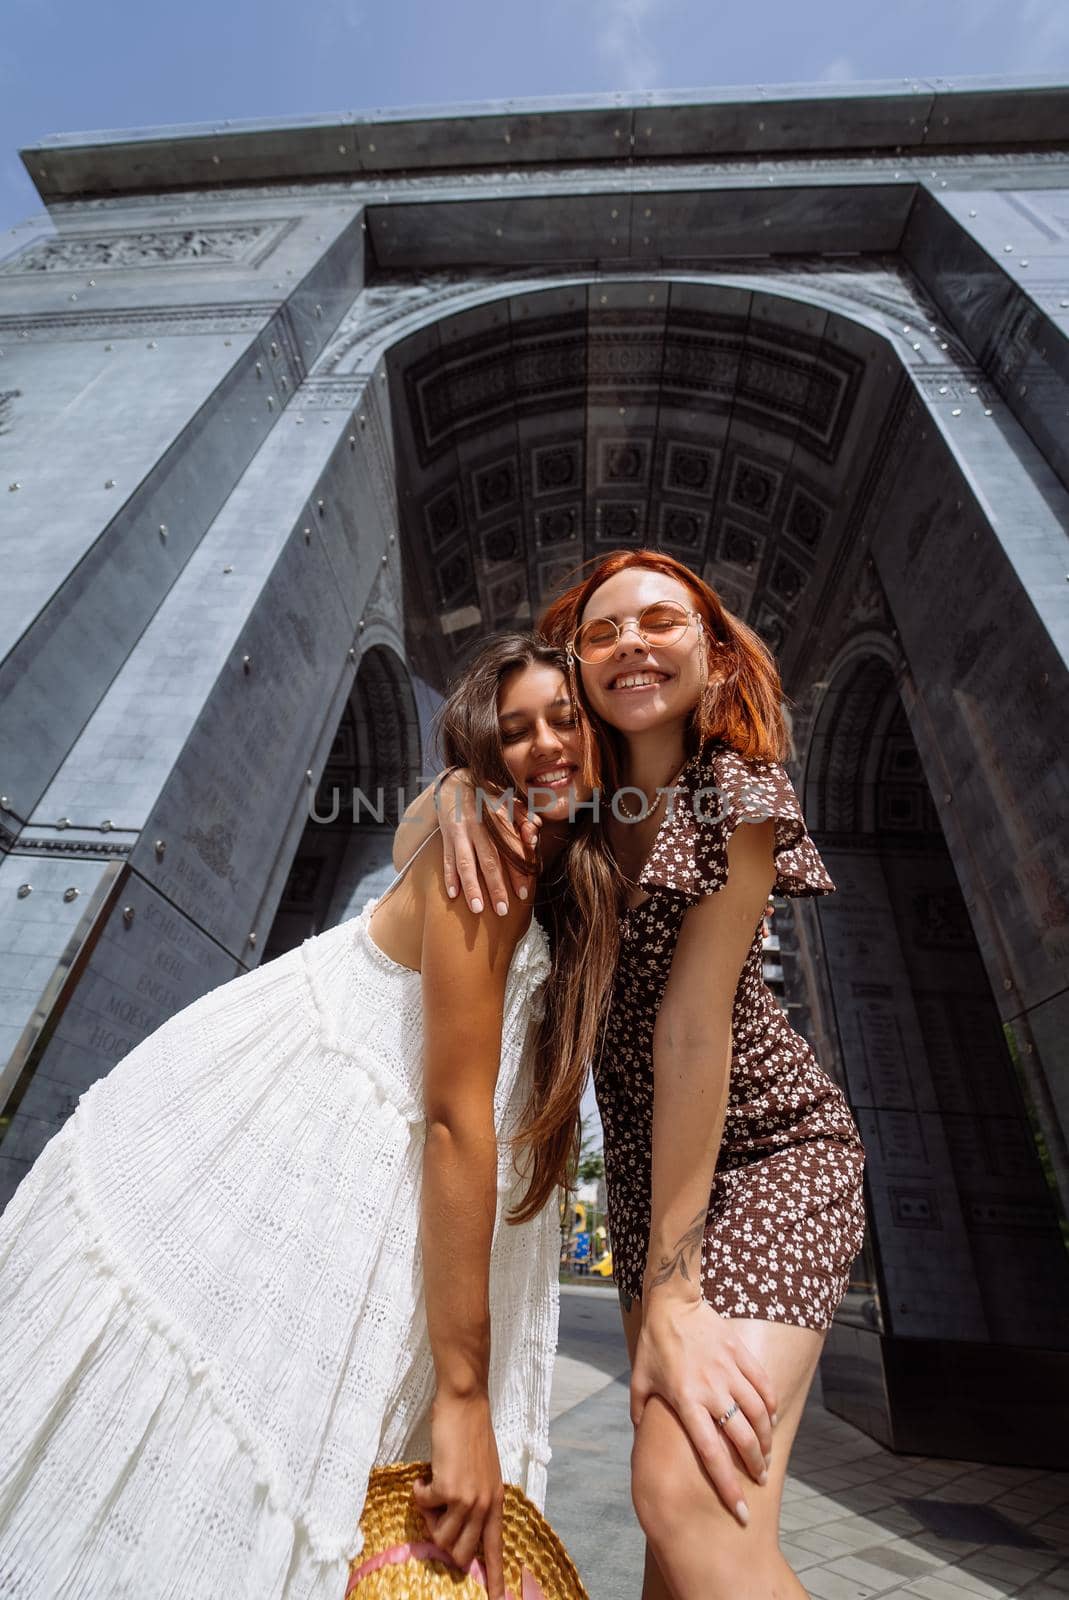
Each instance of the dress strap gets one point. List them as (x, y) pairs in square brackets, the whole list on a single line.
[(408, 863)]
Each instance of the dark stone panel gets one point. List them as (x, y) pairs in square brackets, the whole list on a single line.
[(851, 1377), (970, 288), (158, 161), (993, 684), (486, 137), (1017, 343), (325, 293), (692, 226), (682, 227), (348, 517), (141, 972), (547, 230), (52, 680), (784, 119), (227, 802), (329, 147), (1043, 1055), (1009, 1405), (987, 112)]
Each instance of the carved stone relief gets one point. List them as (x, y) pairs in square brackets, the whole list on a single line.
[(208, 244)]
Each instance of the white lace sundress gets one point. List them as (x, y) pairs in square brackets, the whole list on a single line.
[(211, 1314)]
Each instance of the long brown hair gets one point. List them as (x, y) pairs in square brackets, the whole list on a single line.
[(583, 941), (744, 708)]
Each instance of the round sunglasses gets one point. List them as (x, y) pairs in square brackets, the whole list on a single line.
[(664, 622)]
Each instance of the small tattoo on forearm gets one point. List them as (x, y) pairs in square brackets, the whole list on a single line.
[(677, 1261)]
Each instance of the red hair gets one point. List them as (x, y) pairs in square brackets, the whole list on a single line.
[(745, 708)]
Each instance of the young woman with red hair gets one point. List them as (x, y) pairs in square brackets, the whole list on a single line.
[(733, 1165)]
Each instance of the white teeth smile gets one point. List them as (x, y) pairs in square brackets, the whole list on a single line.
[(559, 775), (638, 680)]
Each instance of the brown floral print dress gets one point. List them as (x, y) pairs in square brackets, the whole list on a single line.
[(786, 1213)]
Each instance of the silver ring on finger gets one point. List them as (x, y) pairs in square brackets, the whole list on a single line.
[(722, 1422)]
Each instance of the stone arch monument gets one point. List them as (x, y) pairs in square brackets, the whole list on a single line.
[(292, 417)]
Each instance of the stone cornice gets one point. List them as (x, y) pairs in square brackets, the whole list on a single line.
[(913, 117), (133, 322), (1023, 168)]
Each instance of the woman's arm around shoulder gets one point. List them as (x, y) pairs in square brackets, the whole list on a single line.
[(471, 857), (418, 822)]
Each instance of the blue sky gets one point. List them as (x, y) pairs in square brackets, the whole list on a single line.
[(68, 67)]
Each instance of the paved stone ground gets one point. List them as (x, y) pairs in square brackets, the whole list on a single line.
[(857, 1519)]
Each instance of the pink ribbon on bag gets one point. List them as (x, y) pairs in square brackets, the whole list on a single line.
[(423, 1550)]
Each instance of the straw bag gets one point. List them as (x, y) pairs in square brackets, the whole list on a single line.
[(400, 1562)]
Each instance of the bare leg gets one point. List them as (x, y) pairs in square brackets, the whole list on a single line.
[(654, 1586), (697, 1550)]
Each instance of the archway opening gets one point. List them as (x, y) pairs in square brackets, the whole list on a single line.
[(966, 1244), (371, 772), (767, 441)]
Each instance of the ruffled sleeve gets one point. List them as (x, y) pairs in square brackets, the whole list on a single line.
[(718, 789)]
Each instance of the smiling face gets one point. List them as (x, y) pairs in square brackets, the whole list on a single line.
[(540, 739), (642, 686)]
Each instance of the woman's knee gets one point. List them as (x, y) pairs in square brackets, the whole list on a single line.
[(675, 1503), (658, 1476), (670, 1489)]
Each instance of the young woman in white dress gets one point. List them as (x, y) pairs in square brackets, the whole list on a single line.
[(307, 1227)]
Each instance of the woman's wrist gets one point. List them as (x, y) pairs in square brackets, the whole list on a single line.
[(674, 1257), (668, 1293), (459, 1388)]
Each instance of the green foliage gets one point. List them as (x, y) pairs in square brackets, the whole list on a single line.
[(591, 1167)]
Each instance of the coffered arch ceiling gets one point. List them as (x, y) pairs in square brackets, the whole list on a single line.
[(738, 429)]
